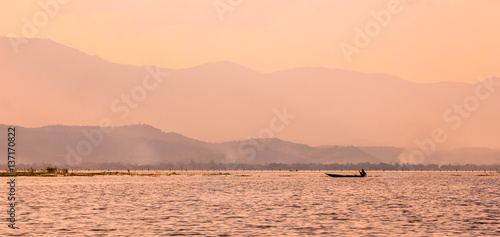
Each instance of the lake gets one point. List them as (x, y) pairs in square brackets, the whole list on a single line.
[(257, 203)]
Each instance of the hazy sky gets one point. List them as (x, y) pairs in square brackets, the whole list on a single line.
[(423, 41)]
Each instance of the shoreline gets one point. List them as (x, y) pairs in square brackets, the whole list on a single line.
[(157, 173)]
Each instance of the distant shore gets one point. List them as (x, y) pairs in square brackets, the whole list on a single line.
[(220, 166), (157, 173), (99, 173)]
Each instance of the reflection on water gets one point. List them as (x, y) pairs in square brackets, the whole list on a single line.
[(258, 203)]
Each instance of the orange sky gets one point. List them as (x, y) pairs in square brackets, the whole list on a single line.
[(427, 41)]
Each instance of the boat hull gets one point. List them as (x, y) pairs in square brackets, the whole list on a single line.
[(344, 176)]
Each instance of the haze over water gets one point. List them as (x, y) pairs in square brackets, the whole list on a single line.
[(255, 203)]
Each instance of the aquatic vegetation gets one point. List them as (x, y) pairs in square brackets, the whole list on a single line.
[(172, 173), (216, 174), (51, 169)]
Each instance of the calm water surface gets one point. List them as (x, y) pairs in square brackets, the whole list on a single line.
[(258, 204)]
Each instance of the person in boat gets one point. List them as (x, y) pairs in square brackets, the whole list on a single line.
[(362, 173)]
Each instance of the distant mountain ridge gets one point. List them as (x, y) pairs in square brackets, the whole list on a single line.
[(146, 145), (48, 83)]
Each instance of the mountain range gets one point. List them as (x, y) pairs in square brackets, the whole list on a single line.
[(147, 145), (334, 111)]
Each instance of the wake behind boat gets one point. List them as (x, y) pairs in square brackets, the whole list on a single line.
[(359, 174)]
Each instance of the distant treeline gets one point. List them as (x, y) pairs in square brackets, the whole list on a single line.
[(271, 166)]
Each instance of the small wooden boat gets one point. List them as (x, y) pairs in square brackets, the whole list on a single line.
[(344, 176)]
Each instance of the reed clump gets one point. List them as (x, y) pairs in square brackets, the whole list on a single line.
[(216, 174)]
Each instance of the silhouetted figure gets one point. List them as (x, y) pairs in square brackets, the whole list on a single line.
[(362, 173)]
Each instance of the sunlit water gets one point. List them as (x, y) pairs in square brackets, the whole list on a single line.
[(255, 203)]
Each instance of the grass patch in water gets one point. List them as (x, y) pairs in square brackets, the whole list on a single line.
[(77, 174), (216, 174), (172, 173)]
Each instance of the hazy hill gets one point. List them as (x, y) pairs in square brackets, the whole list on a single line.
[(146, 145), (48, 83)]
